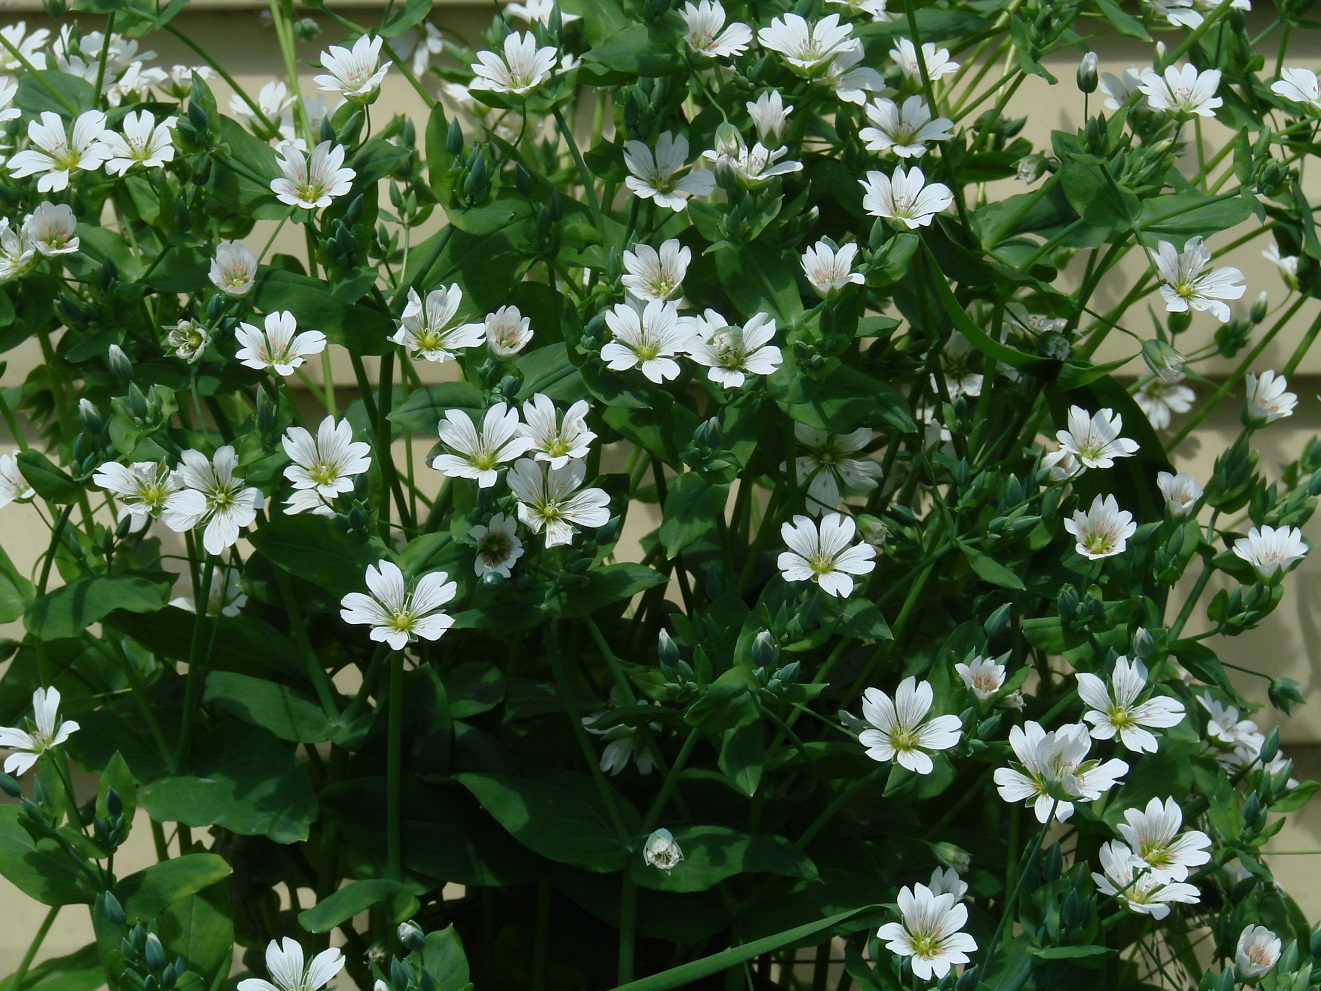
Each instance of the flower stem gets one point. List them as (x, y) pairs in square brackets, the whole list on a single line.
[(583, 173), (16, 982), (393, 760)]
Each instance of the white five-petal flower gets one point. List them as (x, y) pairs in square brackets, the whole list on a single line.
[(769, 116), (233, 268), (280, 346), (13, 486), (937, 61), (429, 330), (830, 269), (397, 615), (1138, 887), (479, 453), (1153, 836), (1159, 399), (901, 731), (1181, 492), (323, 466), (983, 677), (142, 489), (311, 181), (144, 143), (353, 72), (1094, 440), (1103, 530), (1257, 952), (930, 933), (48, 730), (1182, 90), (732, 353), (498, 546), (552, 499), (1117, 712), (1054, 771), (1299, 85), (556, 440), (51, 228), (707, 34), (905, 199), (522, 68), (284, 962), (826, 555), (648, 339), (207, 492), (660, 177), (829, 469), (1185, 287), (55, 154), (653, 274), (507, 331), (806, 48), (1271, 549), (903, 130), (661, 852), (1268, 398)]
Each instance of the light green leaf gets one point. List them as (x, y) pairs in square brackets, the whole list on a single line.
[(424, 409), (69, 610), (261, 702), (356, 897), (151, 891), (41, 870)]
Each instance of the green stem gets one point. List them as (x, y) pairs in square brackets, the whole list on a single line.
[(628, 921), (1018, 887), (583, 174), (393, 762), (220, 71), (101, 60), (16, 982), (195, 677), (315, 672)]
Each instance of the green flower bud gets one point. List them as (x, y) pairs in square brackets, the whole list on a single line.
[(1163, 359), (1259, 308), (411, 935), (1087, 73)]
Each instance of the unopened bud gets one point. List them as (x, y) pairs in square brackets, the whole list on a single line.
[(120, 366), (1179, 322), (1164, 360), (953, 856), (1259, 309), (113, 910), (411, 935), (1031, 168), (1087, 73), (1143, 643), (765, 651)]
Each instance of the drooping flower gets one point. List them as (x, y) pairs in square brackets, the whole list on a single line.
[(905, 200), (522, 68), (1182, 90), (323, 466), (769, 116), (1118, 89), (901, 730), (733, 353), (206, 491), (875, 9), (55, 154), (429, 330), (1287, 264), (647, 339), (1299, 85), (961, 376), (353, 72), (538, 12), (653, 274), (225, 597), (1117, 712), (479, 453), (13, 486), (142, 489), (311, 181), (48, 730), (930, 932), (852, 82), (284, 962), (829, 269), (233, 269), (1184, 286), (498, 546), (1103, 530), (553, 500), (188, 340), (18, 251), (1268, 398), (1258, 950), (661, 852), (1094, 439), (829, 470), (806, 48), (51, 228), (707, 34), (1180, 12), (754, 167), (1159, 399), (1153, 836), (625, 743), (1061, 465), (397, 615), (556, 440), (658, 177), (1140, 889), (280, 346), (144, 143), (1181, 492), (946, 880), (1054, 770), (273, 101), (937, 62), (983, 677), (905, 129), (507, 331), (826, 555), (1271, 549)]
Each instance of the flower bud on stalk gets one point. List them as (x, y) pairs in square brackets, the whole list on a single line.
[(1260, 307), (1164, 360), (1087, 73)]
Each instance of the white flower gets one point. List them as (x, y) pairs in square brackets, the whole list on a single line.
[(704, 21), (538, 12), (188, 340), (656, 274), (1241, 737), (1181, 492), (8, 90), (1139, 888), (430, 331), (1153, 836), (1055, 771), (1158, 399), (523, 68), (284, 962), (1062, 465), (554, 440), (311, 182), (51, 229), (875, 9), (1179, 12), (353, 72), (207, 492), (657, 177), (280, 346), (142, 489), (507, 331), (850, 81), (625, 744), (233, 268), (733, 353), (807, 48), (830, 269), (1267, 399), (755, 166), (553, 499), (904, 200), (901, 730), (1287, 264), (1270, 549), (1094, 440), (961, 378), (498, 546), (946, 880), (225, 597), (480, 452), (48, 730), (1117, 711), (937, 63), (1103, 530), (827, 469), (31, 46), (323, 466), (13, 486), (17, 251), (648, 340), (661, 852), (144, 142), (903, 130), (1299, 85), (769, 115), (1186, 288), (930, 932), (826, 556), (55, 154), (1118, 89), (1257, 952), (1182, 90), (273, 101), (397, 615), (983, 677)]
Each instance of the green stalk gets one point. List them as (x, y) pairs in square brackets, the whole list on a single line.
[(193, 684), (583, 174), (628, 921), (315, 672), (21, 974), (220, 71), (1018, 887), (101, 60), (393, 763)]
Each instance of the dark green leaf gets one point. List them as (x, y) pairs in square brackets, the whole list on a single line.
[(692, 507), (605, 586), (713, 853), (991, 569), (1069, 952), (444, 960), (151, 891), (261, 702), (68, 611), (311, 547), (49, 481), (424, 409), (361, 329), (359, 896), (41, 870), (78, 971)]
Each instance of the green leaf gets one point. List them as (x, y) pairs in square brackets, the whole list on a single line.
[(414, 12), (311, 547), (361, 329), (71, 93), (842, 399), (713, 853), (1070, 952), (69, 610), (359, 896), (1101, 202), (444, 961), (473, 688), (117, 776), (604, 586), (200, 929), (150, 892), (692, 506), (1178, 217), (77, 971), (49, 481), (1125, 23), (991, 569), (424, 409), (559, 815), (16, 592), (261, 702), (637, 50), (487, 266), (244, 779), (759, 278), (1295, 798), (39, 869)]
